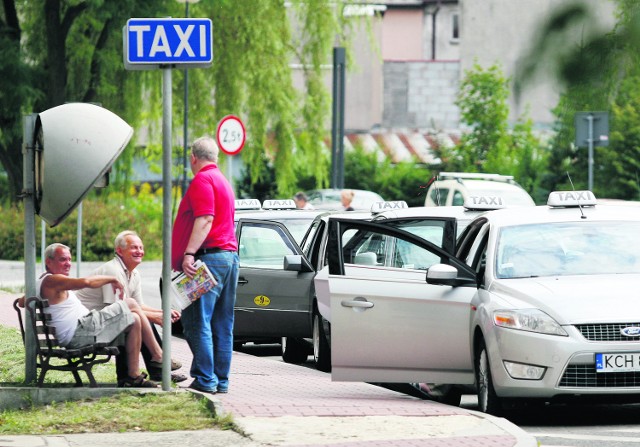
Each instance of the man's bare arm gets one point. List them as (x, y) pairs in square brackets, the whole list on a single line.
[(54, 287)]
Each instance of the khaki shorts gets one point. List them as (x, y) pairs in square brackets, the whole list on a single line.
[(103, 326)]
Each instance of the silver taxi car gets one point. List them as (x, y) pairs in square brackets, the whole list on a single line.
[(538, 304), (276, 294)]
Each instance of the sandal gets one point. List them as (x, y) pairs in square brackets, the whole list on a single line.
[(137, 382)]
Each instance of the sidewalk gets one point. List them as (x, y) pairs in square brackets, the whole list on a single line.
[(278, 404)]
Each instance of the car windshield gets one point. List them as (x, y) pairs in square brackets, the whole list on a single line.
[(297, 227), (568, 248)]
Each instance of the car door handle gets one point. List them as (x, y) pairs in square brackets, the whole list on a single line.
[(359, 302), (242, 281)]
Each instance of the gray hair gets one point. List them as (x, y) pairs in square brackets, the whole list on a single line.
[(50, 251), (205, 148), (121, 238)]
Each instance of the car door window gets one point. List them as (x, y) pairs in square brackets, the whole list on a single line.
[(264, 245), (384, 246), (439, 196), (438, 231), (310, 236), (458, 198), (475, 252), (466, 239)]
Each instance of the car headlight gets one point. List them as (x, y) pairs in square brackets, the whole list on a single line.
[(532, 320)]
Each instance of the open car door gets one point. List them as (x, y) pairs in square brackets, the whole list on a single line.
[(272, 298), (387, 323)]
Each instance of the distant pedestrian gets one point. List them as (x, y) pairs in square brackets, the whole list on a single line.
[(204, 229), (302, 201), (346, 197)]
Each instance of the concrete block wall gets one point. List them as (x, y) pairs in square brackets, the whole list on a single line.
[(421, 94)]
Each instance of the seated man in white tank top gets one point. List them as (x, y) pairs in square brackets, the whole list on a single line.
[(76, 326)]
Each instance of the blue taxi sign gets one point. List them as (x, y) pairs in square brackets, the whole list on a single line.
[(151, 43), (571, 198)]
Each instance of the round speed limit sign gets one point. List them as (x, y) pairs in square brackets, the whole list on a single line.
[(230, 135)]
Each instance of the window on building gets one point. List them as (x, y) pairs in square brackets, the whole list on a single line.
[(455, 27)]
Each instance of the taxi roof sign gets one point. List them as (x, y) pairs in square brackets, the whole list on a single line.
[(484, 203), (247, 204), (279, 204), (378, 207), (571, 199)]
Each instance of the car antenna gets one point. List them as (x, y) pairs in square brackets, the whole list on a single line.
[(426, 187), (435, 179), (574, 190)]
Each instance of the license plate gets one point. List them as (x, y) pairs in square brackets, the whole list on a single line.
[(618, 362)]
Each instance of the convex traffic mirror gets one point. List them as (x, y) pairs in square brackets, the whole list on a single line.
[(75, 146)]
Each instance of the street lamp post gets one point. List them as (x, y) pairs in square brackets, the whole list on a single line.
[(186, 109)]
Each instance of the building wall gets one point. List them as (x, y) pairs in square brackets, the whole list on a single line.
[(446, 47), (395, 83), (502, 32), (364, 80), (402, 34), (420, 92), (421, 95)]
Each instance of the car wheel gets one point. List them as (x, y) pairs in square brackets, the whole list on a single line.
[(443, 393), (488, 400), (294, 350), (321, 347)]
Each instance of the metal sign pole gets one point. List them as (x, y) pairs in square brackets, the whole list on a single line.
[(79, 242), (166, 227), (28, 158), (590, 153), (337, 121), (230, 171)]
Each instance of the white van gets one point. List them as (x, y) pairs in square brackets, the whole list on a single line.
[(454, 188)]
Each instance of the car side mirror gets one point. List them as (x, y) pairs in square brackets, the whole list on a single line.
[(297, 263), (446, 275)]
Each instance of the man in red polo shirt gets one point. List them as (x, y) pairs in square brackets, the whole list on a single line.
[(204, 229)]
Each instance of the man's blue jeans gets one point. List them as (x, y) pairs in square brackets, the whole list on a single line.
[(208, 324)]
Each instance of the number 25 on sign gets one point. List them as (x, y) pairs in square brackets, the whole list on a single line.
[(230, 135)]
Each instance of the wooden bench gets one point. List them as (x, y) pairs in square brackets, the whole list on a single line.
[(47, 347)]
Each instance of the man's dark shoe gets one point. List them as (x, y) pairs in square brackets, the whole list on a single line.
[(177, 377), (194, 386), (175, 364), (156, 376)]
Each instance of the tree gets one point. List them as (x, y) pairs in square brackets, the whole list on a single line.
[(598, 74), (72, 51), (483, 107), (490, 145), (622, 167), (62, 51)]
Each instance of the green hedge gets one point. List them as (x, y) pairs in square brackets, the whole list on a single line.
[(102, 220)]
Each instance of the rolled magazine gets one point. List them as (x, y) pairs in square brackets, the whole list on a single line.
[(186, 290)]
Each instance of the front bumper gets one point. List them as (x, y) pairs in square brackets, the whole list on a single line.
[(569, 362)]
